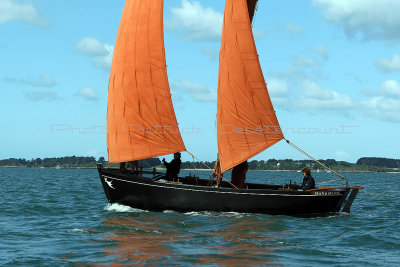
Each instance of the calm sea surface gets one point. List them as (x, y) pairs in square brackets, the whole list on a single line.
[(51, 217)]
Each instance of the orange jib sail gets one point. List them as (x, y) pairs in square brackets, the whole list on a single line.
[(246, 120), (141, 121)]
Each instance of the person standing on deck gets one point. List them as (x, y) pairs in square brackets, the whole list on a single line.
[(173, 167), (308, 181), (122, 167), (239, 175), (135, 166)]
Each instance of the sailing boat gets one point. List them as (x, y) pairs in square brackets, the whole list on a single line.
[(141, 123)]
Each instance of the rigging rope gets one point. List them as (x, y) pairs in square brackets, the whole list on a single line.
[(330, 181), (341, 177), (210, 168), (317, 161)]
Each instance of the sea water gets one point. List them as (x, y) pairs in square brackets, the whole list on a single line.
[(60, 217)]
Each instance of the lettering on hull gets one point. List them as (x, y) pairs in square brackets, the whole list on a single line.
[(326, 193)]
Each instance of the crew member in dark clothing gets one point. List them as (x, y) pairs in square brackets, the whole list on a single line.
[(122, 167), (308, 181), (135, 166), (173, 167), (239, 174)]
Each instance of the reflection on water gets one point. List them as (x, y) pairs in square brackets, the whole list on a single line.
[(244, 241), (136, 240), (195, 238)]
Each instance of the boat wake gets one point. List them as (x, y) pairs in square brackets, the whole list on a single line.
[(115, 207)]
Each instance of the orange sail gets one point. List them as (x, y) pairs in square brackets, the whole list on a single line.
[(141, 121), (246, 120)]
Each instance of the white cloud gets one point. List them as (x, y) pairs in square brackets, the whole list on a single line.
[(311, 98), (388, 65), (390, 89), (306, 66), (294, 30), (211, 52), (93, 153), (42, 96), (292, 73), (302, 61), (100, 54), (277, 88), (259, 33), (10, 79), (382, 108), (195, 22), (322, 52), (342, 155), (289, 31), (279, 92), (372, 19), (91, 47), (384, 104), (198, 91), (175, 96), (43, 81), (315, 98), (13, 10), (88, 94)]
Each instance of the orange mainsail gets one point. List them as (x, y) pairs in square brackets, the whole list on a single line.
[(246, 120), (141, 121)]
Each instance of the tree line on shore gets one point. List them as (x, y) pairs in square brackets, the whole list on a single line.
[(67, 162), (362, 164)]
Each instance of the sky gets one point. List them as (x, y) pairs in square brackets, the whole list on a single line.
[(332, 69)]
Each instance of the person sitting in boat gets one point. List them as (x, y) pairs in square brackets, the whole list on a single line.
[(173, 167), (239, 175), (308, 181)]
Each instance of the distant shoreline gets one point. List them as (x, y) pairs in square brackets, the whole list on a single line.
[(24, 167), (363, 165), (163, 169)]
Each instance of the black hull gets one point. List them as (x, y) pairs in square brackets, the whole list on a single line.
[(143, 191)]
